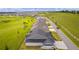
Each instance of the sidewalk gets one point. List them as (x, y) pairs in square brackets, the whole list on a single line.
[(60, 45)]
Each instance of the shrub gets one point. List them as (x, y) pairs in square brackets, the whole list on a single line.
[(55, 36)]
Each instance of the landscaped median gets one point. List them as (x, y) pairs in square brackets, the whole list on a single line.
[(58, 41), (48, 23), (55, 36), (53, 32)]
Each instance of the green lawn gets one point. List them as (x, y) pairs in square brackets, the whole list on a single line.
[(13, 30), (69, 21)]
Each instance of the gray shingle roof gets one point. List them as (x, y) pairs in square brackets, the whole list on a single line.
[(36, 36)]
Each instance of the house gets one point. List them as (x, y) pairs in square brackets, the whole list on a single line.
[(35, 40)]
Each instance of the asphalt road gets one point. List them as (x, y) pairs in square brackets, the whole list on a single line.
[(41, 27), (70, 45)]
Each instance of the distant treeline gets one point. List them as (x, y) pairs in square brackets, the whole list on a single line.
[(73, 11), (64, 11)]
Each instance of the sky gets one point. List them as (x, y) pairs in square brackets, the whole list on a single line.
[(34, 9)]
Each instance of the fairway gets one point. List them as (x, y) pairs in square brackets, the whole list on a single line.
[(69, 21), (13, 30)]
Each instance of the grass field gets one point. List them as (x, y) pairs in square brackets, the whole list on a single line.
[(13, 30), (67, 20)]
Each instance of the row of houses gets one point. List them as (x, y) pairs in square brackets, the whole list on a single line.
[(18, 13)]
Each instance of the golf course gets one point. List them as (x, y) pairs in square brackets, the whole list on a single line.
[(13, 30)]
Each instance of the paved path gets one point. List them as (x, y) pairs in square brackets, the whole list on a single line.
[(67, 41), (43, 26)]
